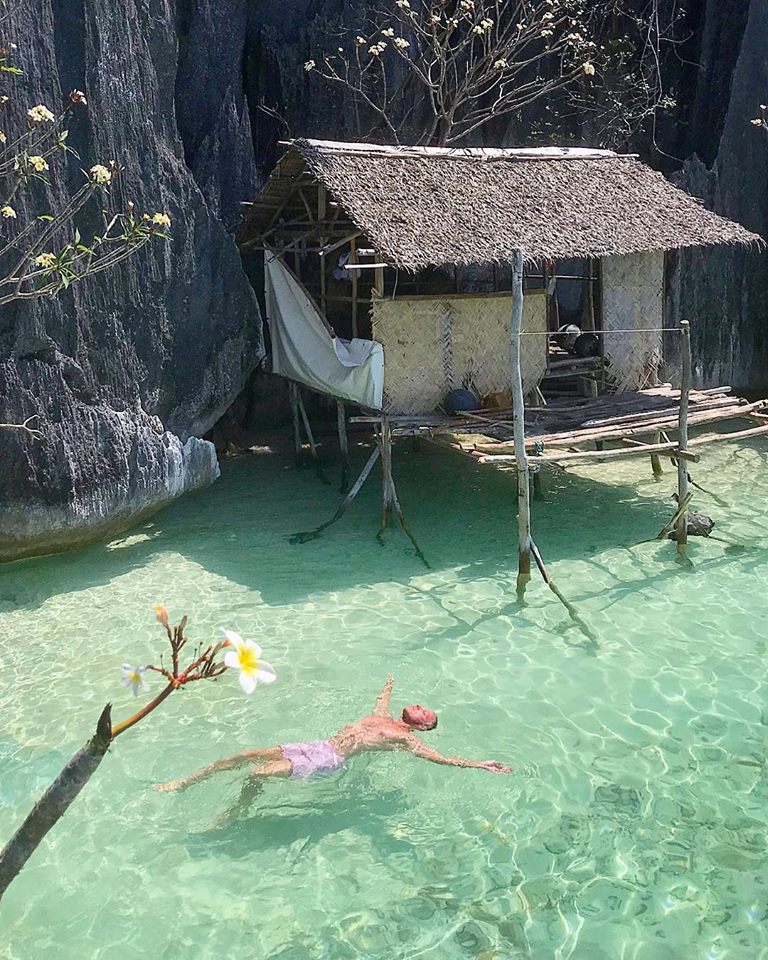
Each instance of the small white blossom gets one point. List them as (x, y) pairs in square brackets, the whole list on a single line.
[(486, 24), (40, 114), (547, 33), (161, 219), (403, 4), (360, 41), (467, 4), (757, 122), (377, 48), (38, 163), (401, 43), (548, 16), (310, 65), (133, 677), (3, 137), (500, 64), (589, 69), (389, 32), (46, 261), (100, 174), (8, 212)]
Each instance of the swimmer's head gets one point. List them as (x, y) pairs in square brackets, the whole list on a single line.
[(420, 718)]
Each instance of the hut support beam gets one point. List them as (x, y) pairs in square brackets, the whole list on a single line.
[(308, 535), (518, 427), (682, 438), (292, 396), (656, 460), (391, 504), (341, 420)]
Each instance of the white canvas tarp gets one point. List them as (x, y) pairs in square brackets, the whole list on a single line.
[(304, 350)]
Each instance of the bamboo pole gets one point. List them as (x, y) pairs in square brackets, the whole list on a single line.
[(308, 535), (682, 437), (518, 427), (353, 260), (341, 421), (658, 473), (297, 448), (390, 500)]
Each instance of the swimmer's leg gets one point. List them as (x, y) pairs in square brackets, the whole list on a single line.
[(254, 783), (262, 757)]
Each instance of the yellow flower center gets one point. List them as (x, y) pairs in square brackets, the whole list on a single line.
[(134, 677), (248, 660)]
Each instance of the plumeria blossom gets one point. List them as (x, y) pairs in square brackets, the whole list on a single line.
[(245, 656), (133, 677), (8, 212), (401, 43), (161, 220), (38, 163), (389, 32), (589, 69), (46, 260), (310, 65)]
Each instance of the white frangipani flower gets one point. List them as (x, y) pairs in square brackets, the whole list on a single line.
[(245, 656), (133, 677)]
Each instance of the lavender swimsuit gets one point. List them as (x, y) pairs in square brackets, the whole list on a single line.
[(317, 756)]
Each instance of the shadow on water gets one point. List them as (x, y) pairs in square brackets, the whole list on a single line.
[(299, 825), (462, 515)]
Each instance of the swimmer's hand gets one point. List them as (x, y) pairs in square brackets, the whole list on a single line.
[(493, 766)]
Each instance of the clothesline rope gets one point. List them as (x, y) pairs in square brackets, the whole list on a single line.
[(599, 333)]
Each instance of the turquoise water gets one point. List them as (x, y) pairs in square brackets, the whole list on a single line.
[(633, 827)]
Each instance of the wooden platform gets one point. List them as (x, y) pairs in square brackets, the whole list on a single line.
[(604, 428)]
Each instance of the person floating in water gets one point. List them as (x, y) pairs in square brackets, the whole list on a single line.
[(378, 731)]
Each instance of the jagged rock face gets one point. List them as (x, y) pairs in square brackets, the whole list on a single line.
[(127, 370), (724, 292)]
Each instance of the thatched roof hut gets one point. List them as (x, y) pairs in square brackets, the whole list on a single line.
[(424, 206)]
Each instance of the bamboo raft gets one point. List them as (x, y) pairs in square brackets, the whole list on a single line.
[(571, 431)]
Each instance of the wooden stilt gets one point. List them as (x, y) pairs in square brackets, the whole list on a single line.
[(390, 501), (682, 439), (574, 614), (292, 395), (385, 442), (341, 420), (518, 426), (345, 503), (538, 486), (353, 260), (656, 460)]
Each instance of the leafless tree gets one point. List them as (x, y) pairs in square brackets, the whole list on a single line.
[(434, 72)]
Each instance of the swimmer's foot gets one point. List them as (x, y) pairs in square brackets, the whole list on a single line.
[(169, 786)]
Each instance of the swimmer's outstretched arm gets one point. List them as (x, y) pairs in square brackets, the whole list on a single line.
[(419, 749), (226, 763), (381, 708)]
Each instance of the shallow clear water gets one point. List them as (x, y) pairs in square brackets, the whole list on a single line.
[(633, 827)]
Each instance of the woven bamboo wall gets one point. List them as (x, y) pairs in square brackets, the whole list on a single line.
[(633, 298), (432, 346)]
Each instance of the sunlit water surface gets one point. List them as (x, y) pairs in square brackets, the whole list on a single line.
[(633, 827)]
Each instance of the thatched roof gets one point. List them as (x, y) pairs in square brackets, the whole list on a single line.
[(423, 206)]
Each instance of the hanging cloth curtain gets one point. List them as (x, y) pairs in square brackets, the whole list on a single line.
[(304, 350)]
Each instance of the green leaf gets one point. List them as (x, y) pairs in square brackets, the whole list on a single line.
[(16, 70), (44, 216)]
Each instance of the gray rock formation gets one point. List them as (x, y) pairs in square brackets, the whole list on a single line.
[(126, 371), (724, 292)]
